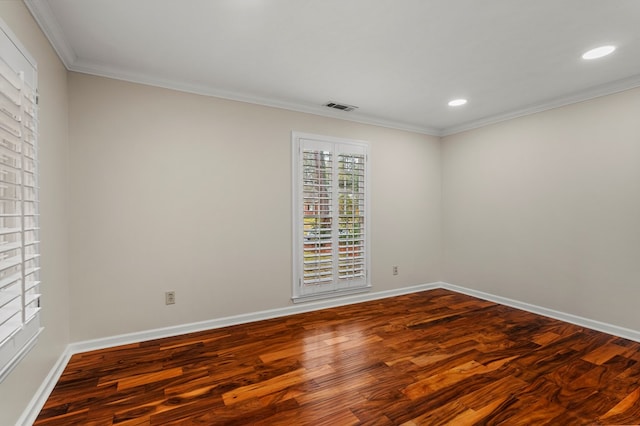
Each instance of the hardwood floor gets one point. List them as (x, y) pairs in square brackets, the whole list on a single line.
[(435, 357)]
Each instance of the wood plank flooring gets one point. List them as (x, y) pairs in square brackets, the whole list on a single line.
[(435, 357)]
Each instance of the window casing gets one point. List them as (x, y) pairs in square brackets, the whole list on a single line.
[(331, 217), (19, 205)]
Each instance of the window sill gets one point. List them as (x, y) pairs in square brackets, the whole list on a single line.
[(330, 294), (19, 354)]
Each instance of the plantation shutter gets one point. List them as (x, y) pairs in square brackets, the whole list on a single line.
[(318, 202), (330, 211), (351, 216), (19, 242)]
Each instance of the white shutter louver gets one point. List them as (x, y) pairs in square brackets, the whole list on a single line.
[(19, 242), (330, 208), (351, 216), (318, 216)]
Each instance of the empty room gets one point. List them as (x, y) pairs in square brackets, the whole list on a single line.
[(336, 212)]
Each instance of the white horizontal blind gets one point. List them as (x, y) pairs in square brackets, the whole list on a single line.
[(19, 230), (330, 211)]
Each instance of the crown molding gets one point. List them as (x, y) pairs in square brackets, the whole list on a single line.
[(591, 93), (49, 24), (44, 16), (87, 67), (584, 95), (42, 13)]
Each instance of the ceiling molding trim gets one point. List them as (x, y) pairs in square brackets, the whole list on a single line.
[(91, 68), (42, 13), (585, 95), (358, 117)]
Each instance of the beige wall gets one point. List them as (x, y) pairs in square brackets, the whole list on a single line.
[(18, 389), (174, 191), (545, 209)]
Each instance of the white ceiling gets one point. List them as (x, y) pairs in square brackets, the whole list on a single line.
[(399, 61)]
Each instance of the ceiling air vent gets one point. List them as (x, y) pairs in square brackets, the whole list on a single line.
[(341, 107)]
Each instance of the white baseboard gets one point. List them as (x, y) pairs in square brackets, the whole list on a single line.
[(38, 401), (32, 410), (141, 336), (562, 316)]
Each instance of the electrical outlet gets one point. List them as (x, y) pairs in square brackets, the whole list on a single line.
[(395, 270), (170, 297)]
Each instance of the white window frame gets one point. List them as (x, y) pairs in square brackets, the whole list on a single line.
[(19, 203), (336, 285)]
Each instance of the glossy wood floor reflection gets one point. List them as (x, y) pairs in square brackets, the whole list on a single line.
[(434, 357)]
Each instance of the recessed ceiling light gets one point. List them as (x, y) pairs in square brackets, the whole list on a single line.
[(457, 102), (598, 52)]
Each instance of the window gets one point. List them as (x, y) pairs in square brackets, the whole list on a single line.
[(331, 217), (19, 241)]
